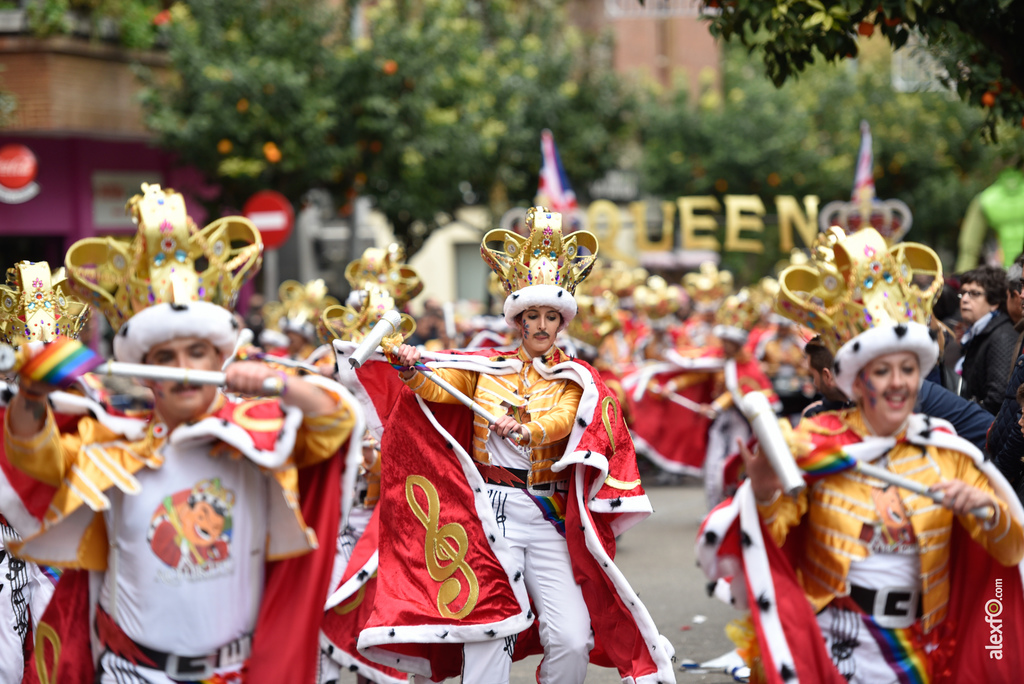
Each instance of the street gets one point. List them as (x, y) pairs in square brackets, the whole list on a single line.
[(657, 557)]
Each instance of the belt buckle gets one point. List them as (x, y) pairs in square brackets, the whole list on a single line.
[(180, 667), (236, 652), (896, 607)]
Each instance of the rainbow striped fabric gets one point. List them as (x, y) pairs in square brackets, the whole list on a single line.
[(553, 509), (826, 460), (60, 362)]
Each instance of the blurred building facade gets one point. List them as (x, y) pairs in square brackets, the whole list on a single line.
[(76, 148)]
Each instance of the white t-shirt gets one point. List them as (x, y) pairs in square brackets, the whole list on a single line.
[(186, 562)]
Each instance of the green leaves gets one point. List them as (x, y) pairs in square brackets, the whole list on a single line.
[(977, 41)]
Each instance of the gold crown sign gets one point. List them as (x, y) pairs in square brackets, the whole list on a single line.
[(162, 262), (38, 305), (597, 317), (354, 324), (656, 298), (858, 282), (708, 286), (299, 304), (384, 269), (544, 257)]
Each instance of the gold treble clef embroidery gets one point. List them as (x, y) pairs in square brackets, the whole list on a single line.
[(608, 415), (443, 558)]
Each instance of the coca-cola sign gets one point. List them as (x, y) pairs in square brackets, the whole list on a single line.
[(18, 168)]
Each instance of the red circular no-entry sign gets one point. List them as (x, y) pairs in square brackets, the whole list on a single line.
[(18, 166), (273, 215)]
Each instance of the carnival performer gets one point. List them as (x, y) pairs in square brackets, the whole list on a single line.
[(741, 375), (179, 513), (35, 305), (898, 581), (523, 511), (708, 288), (383, 283), (291, 325)]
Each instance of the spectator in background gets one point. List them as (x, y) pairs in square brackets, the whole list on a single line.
[(1015, 303), (1005, 442), (988, 342)]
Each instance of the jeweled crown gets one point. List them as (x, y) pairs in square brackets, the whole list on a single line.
[(168, 261), (656, 298), (544, 257), (38, 305), (298, 304), (738, 311), (858, 282), (708, 286), (384, 269), (598, 315)]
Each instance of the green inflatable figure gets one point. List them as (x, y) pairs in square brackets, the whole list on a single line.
[(1001, 207)]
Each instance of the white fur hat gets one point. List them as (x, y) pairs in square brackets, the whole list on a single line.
[(885, 339), (165, 322), (540, 295)]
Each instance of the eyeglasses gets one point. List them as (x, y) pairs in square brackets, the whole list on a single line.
[(971, 294)]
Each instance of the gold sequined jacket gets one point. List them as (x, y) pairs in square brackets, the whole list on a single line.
[(548, 414), (834, 510)]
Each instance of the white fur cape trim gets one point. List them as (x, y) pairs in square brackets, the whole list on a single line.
[(886, 339), (165, 322), (370, 639), (629, 510), (540, 295)]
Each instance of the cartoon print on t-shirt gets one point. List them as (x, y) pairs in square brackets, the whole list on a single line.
[(191, 529)]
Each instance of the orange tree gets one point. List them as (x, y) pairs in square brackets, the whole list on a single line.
[(977, 41)]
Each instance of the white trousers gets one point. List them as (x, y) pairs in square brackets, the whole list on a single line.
[(562, 615)]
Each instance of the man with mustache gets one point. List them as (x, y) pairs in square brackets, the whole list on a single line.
[(107, 478)]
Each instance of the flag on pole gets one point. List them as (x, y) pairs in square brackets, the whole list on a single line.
[(553, 191), (864, 181)]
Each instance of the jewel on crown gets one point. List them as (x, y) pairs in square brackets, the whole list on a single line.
[(168, 261), (857, 282), (38, 305), (544, 257)]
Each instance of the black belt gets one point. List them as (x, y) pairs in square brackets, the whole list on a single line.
[(894, 606), (516, 477), (187, 668)]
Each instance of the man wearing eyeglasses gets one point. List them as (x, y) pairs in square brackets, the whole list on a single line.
[(988, 343)]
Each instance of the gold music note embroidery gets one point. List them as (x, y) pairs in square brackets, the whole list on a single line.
[(47, 671), (443, 559), (608, 414)]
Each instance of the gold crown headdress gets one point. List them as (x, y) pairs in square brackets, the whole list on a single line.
[(162, 264), (384, 269), (299, 305), (39, 305), (544, 257), (858, 282), (354, 323), (709, 286), (738, 311), (598, 314), (656, 298)]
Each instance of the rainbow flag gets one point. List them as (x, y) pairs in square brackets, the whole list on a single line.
[(553, 509), (60, 362), (826, 460)]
